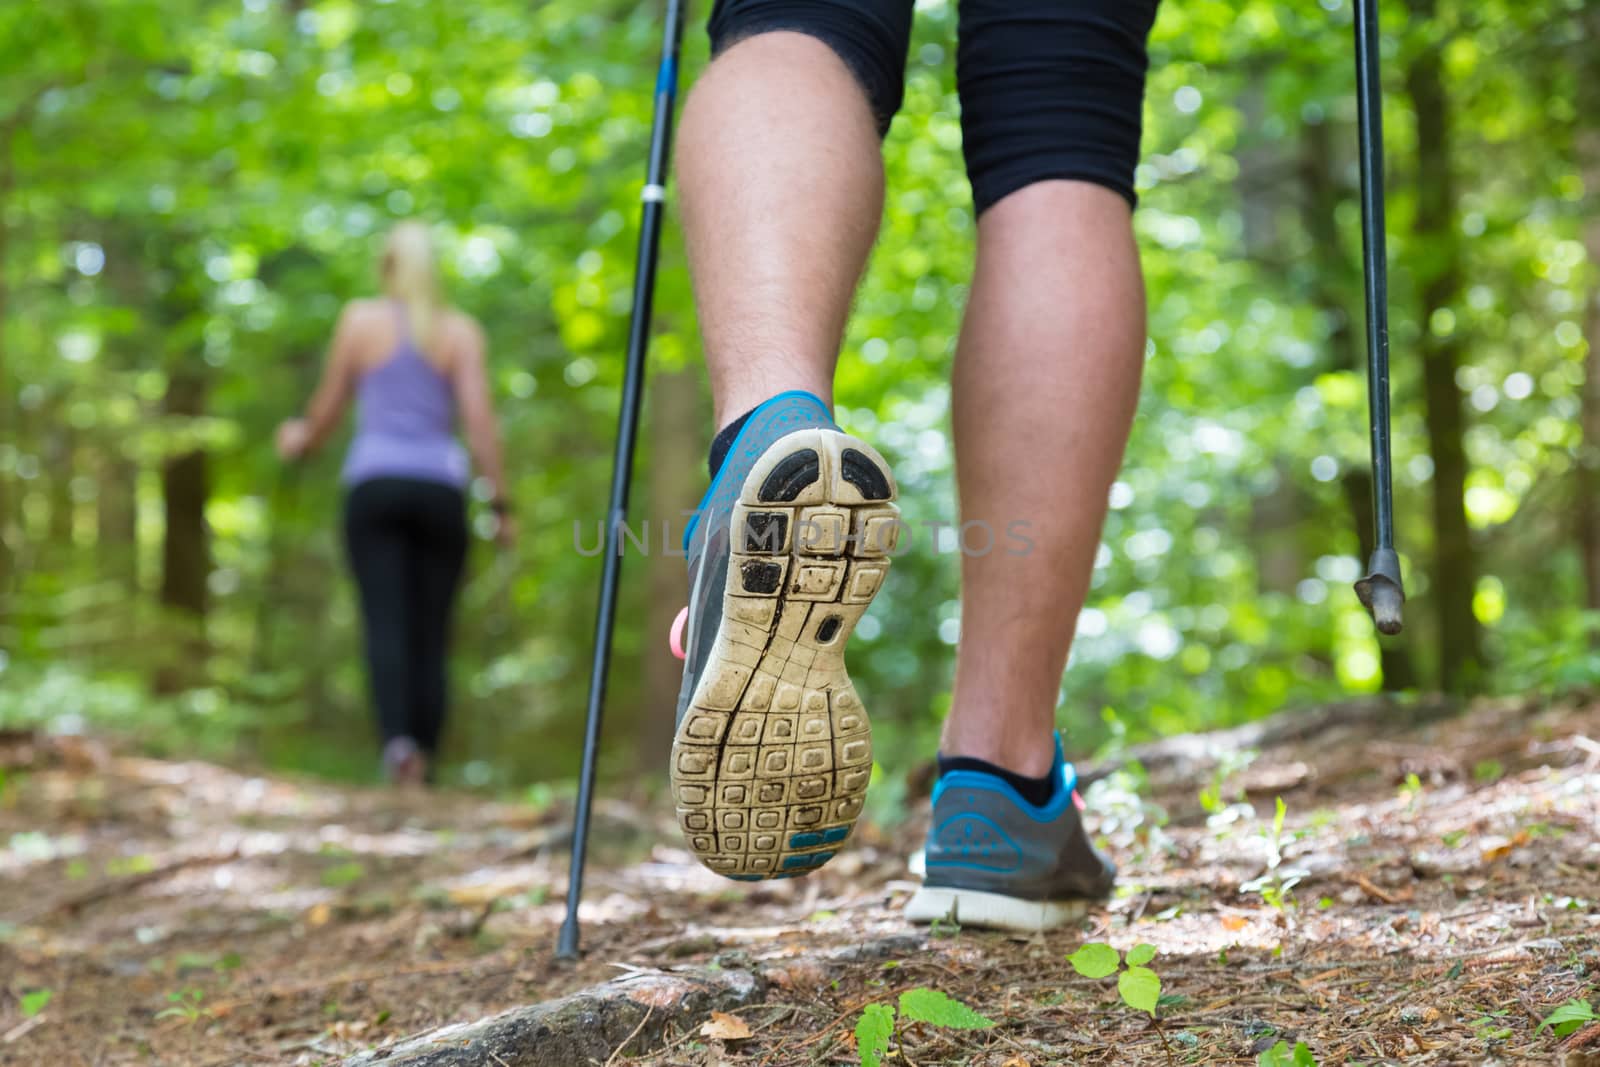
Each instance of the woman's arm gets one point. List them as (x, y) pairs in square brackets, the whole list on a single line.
[(470, 377), (300, 437)]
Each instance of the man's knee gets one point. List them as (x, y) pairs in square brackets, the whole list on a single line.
[(870, 36), (1052, 89)]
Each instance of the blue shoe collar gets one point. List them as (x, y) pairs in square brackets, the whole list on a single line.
[(982, 780), (790, 395)]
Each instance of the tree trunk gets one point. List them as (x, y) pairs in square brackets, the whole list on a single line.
[(185, 547), (8, 393), (60, 454), (1588, 145), (1317, 169), (117, 499), (117, 519), (1438, 259)]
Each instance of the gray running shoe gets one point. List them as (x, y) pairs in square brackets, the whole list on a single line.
[(997, 861), (773, 751)]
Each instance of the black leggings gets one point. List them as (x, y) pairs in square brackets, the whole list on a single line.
[(1049, 88), (407, 541)]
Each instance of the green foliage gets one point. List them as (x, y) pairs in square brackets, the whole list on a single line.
[(343, 874), (875, 1027), (1276, 886), (1095, 960), (261, 150), (34, 1001), (1137, 985), (1215, 795), (184, 1004), (1140, 989), (1569, 1017), (933, 1007), (187, 962), (1280, 1055), (873, 1031)]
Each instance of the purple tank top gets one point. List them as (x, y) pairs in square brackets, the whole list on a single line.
[(405, 420)]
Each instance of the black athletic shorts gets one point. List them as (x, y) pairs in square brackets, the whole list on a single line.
[(1049, 88)]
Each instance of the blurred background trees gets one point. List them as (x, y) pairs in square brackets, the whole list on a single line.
[(189, 189)]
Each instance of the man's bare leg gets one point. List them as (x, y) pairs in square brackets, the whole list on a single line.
[(782, 188), (1046, 381)]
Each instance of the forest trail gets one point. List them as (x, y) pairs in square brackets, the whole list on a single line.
[(1438, 880)]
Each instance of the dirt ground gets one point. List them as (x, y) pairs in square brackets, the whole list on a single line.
[(1438, 892)]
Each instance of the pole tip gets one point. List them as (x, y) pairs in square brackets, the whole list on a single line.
[(567, 942), (1381, 592), (1385, 608)]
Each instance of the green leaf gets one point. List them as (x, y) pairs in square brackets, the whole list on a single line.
[(1277, 818), (1571, 1015), (1140, 989), (33, 1003), (1279, 1055), (343, 874), (1276, 1056), (873, 1031), (1139, 955), (1094, 960), (932, 1006)]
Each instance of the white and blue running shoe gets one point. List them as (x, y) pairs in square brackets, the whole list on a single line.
[(995, 860)]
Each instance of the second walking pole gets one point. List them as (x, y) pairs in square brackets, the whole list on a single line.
[(1381, 590), (653, 199)]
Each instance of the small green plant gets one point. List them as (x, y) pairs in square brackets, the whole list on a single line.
[(126, 865), (1216, 796), (1490, 1026), (1137, 984), (184, 1004), (875, 1027), (1487, 772), (343, 874), (1410, 789), (539, 796), (1122, 801), (34, 1002), (1571, 1016), (1281, 1055), (1276, 886), (190, 962), (873, 1030)]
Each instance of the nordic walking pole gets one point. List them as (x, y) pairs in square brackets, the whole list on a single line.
[(653, 199), (1381, 590)]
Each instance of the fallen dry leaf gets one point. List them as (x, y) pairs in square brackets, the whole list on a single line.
[(1234, 922), (1016, 1061), (724, 1027)]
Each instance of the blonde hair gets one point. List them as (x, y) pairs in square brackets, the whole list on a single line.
[(409, 277)]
